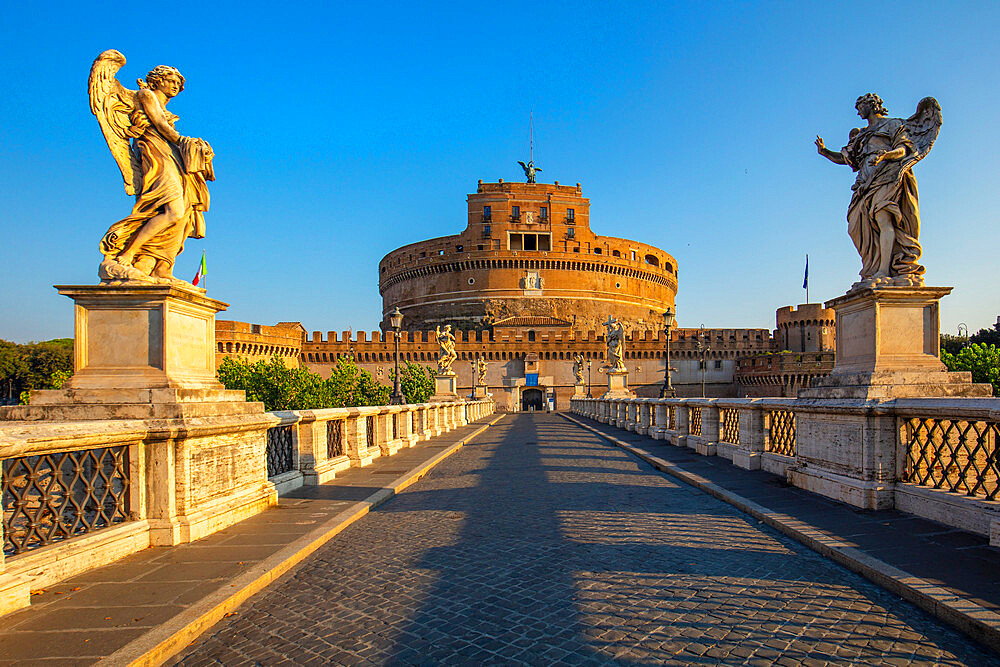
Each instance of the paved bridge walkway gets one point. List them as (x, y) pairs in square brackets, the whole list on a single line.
[(541, 543)]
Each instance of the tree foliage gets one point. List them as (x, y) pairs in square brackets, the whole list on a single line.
[(281, 388), (416, 381), (44, 365), (982, 360), (952, 344)]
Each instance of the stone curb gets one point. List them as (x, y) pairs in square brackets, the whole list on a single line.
[(170, 638), (976, 621)]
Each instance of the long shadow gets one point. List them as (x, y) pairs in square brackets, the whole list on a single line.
[(590, 572)]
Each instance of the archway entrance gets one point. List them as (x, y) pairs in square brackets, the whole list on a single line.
[(531, 399)]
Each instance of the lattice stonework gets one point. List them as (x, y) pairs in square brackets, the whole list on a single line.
[(334, 438), (52, 497), (956, 455), (370, 431), (672, 418), (731, 425), (395, 426), (781, 432), (694, 421), (279, 453)]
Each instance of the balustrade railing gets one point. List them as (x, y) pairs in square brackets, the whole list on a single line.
[(370, 431), (780, 432), (694, 420), (334, 438), (279, 452), (730, 418), (52, 497), (956, 455)]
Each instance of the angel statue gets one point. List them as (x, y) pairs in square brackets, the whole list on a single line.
[(616, 346), (578, 368), (529, 170), (446, 356), (883, 219), (166, 172), (481, 371)]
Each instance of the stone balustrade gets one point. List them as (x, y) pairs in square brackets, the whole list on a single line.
[(934, 457), (78, 495)]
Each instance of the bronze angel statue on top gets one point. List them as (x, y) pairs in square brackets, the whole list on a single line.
[(166, 172), (883, 218), (529, 170)]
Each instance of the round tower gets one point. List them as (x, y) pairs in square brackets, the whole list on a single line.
[(808, 328), (527, 251)]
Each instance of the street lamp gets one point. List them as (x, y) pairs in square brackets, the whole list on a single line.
[(703, 347), (589, 362), (667, 390), (396, 320)]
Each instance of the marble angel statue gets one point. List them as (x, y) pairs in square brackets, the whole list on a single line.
[(166, 172), (883, 218), (481, 367), (446, 356), (578, 363), (616, 346)]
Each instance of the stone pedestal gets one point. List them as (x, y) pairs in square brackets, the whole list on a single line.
[(141, 352), (480, 391), (887, 348), (445, 389), (888, 341), (580, 390), (618, 385)]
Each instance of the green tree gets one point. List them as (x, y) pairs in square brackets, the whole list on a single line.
[(416, 381), (987, 336), (281, 388), (982, 360), (952, 344), (44, 365)]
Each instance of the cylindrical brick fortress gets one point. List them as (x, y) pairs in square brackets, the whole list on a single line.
[(527, 251)]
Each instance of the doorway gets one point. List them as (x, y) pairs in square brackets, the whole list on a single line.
[(531, 399)]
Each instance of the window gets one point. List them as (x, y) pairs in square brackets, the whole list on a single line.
[(597, 251), (652, 260), (459, 248), (718, 363), (570, 216), (528, 241), (633, 255), (479, 247), (515, 212), (543, 213), (531, 336), (486, 230), (615, 253), (571, 233), (487, 213)]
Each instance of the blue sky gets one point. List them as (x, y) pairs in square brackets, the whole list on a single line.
[(342, 131)]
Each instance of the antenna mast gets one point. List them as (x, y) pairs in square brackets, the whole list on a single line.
[(531, 139)]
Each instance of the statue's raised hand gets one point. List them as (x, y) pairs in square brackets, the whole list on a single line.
[(820, 146)]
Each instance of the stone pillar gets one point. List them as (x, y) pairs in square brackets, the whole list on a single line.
[(445, 389), (707, 443), (659, 431), (747, 456), (683, 425), (618, 385)]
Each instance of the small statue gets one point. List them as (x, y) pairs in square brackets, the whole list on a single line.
[(529, 170), (166, 172), (446, 355), (480, 365), (578, 363), (883, 219), (616, 346)]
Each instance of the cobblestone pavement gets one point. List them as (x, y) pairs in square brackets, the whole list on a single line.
[(540, 543)]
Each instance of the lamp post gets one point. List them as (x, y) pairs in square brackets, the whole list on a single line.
[(703, 347), (667, 390), (589, 362), (396, 320)]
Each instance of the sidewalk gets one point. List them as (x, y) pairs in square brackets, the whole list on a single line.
[(949, 573), (146, 607)]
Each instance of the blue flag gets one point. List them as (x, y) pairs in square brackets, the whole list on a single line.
[(805, 279)]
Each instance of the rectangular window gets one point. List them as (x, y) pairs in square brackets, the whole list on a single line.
[(571, 233), (544, 242), (487, 213), (570, 216), (530, 242), (543, 213), (486, 230), (516, 242), (515, 212), (718, 364), (633, 255)]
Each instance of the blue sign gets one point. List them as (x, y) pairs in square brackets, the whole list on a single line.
[(531, 379)]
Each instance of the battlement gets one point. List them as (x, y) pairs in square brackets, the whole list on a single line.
[(804, 313)]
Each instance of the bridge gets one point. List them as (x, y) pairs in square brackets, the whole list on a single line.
[(619, 533)]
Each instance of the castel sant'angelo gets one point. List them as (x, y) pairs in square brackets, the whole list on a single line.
[(527, 285)]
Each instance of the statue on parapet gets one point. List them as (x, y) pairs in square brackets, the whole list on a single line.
[(481, 366), (883, 218), (167, 173), (578, 363), (529, 170), (616, 346), (446, 356)]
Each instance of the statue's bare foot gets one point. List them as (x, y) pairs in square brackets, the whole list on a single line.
[(909, 280), (114, 272)]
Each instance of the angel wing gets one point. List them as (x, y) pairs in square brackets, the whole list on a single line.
[(523, 166), (922, 128), (113, 104)]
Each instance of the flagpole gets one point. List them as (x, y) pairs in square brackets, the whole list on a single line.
[(807, 277)]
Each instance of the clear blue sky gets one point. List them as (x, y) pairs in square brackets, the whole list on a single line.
[(343, 131)]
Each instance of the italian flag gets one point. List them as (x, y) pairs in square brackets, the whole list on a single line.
[(202, 270)]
